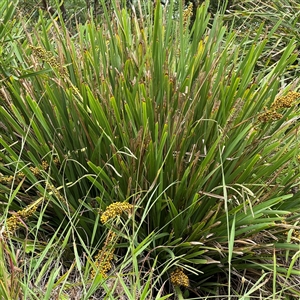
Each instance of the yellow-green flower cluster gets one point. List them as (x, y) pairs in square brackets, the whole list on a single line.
[(115, 209), (179, 278), (47, 56), (286, 101), (6, 179), (105, 256), (45, 165), (269, 115), (56, 161), (296, 235), (187, 14), (21, 175), (35, 170), (14, 222)]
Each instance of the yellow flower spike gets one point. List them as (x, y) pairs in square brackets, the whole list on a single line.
[(105, 256), (115, 209), (21, 175), (14, 222), (48, 57), (35, 170), (6, 179), (179, 278), (269, 115), (45, 165), (187, 14), (286, 101)]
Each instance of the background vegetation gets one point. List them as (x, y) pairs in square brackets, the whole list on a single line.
[(149, 151)]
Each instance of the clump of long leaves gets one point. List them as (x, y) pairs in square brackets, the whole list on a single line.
[(173, 121), (247, 17)]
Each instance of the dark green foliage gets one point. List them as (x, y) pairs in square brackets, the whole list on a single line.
[(176, 121)]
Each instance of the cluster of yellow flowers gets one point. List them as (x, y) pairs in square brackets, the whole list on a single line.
[(296, 235), (35, 171), (286, 101), (187, 14), (269, 115), (6, 179), (179, 278), (115, 209), (47, 56), (105, 256), (14, 222)]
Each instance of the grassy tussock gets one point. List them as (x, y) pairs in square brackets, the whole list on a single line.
[(152, 155)]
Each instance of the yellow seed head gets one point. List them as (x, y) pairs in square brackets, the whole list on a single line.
[(179, 278), (14, 222), (286, 101), (21, 175), (296, 234), (56, 161), (269, 115), (45, 165), (6, 179), (105, 256), (187, 13), (49, 58), (35, 170), (115, 209)]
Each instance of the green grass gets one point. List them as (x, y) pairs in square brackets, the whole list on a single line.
[(193, 126)]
